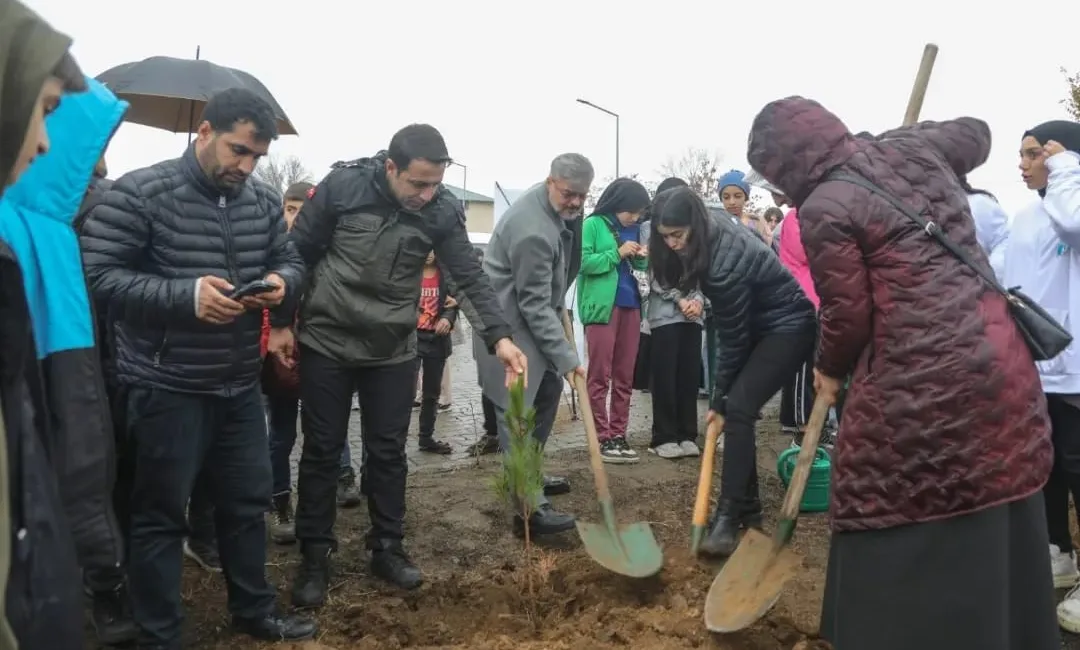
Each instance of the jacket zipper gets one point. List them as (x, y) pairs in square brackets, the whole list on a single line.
[(160, 352), (234, 274), (394, 261)]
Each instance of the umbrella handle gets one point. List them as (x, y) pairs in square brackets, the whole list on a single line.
[(603, 492)]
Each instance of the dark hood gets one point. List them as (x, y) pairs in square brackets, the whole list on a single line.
[(794, 142), (30, 51)]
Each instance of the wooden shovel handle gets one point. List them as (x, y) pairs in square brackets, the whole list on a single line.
[(790, 509), (708, 458), (922, 81), (595, 459)]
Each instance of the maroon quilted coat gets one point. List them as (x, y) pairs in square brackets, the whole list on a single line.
[(945, 414)]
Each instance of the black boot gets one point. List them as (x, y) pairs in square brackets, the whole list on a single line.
[(276, 626), (312, 576), (723, 534), (111, 616), (348, 495), (545, 520), (554, 485), (282, 526), (391, 564)]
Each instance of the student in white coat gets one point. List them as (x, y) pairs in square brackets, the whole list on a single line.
[(1043, 259)]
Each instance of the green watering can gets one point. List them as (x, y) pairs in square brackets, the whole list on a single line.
[(816, 496)]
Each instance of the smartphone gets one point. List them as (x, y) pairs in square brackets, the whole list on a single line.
[(252, 289)]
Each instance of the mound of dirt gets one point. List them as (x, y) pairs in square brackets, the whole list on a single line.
[(557, 602)]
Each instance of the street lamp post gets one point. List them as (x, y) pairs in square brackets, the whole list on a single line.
[(616, 116), (464, 183)]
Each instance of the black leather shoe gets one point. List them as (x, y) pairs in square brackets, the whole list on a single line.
[(312, 576), (111, 616), (393, 566), (277, 627), (723, 536), (484, 446), (544, 521), (554, 485)]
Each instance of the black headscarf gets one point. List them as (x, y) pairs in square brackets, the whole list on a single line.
[(670, 183), (1064, 132), (623, 195)]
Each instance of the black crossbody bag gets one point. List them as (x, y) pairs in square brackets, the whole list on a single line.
[(1045, 337)]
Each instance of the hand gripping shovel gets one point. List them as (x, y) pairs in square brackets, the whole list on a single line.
[(752, 578), (704, 485), (632, 549)]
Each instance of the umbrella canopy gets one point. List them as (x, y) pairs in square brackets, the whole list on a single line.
[(168, 93)]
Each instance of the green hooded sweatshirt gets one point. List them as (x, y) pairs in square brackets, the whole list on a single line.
[(598, 279)]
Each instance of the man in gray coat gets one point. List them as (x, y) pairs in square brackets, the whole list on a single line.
[(529, 261)]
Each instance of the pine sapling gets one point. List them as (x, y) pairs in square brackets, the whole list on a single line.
[(521, 478)]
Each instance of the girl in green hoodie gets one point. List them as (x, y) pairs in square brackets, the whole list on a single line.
[(609, 302)]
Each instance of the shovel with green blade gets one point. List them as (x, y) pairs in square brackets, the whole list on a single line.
[(630, 550)]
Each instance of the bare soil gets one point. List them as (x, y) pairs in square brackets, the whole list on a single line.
[(482, 594)]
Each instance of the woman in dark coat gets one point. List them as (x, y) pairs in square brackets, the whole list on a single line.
[(765, 328), (939, 534)]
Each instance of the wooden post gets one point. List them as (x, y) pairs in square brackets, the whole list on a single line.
[(922, 80)]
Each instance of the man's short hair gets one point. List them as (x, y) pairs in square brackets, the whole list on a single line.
[(237, 105), (572, 168), (418, 141), (298, 191)]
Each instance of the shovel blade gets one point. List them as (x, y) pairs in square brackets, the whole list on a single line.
[(630, 550), (749, 584)]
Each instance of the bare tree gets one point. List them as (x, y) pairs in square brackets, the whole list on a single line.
[(697, 167), (280, 173), (1072, 100)]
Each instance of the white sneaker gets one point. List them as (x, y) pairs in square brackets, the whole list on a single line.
[(690, 448), (1066, 575), (669, 450), (1068, 611)]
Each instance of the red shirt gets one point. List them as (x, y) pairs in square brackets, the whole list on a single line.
[(428, 313)]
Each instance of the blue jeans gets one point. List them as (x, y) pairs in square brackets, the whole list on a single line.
[(281, 414)]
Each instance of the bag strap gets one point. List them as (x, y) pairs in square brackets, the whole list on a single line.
[(929, 227)]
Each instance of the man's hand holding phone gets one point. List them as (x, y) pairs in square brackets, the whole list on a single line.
[(262, 294), (213, 306)]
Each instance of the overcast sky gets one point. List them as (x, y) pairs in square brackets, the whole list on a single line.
[(499, 79)]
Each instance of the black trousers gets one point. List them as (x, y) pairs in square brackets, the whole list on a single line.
[(430, 368), (177, 435), (491, 427), (106, 580), (772, 362), (1065, 474), (385, 394), (643, 363), (979, 581), (675, 366)]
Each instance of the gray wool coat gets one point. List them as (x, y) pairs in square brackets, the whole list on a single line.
[(528, 262)]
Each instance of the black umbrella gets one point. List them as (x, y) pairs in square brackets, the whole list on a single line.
[(167, 93)]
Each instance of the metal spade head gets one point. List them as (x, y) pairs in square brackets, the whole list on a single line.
[(750, 583), (630, 550)]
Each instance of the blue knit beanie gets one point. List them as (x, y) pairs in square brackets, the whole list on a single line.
[(736, 178)]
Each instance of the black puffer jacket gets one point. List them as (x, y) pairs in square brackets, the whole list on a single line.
[(752, 296), (155, 232)]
